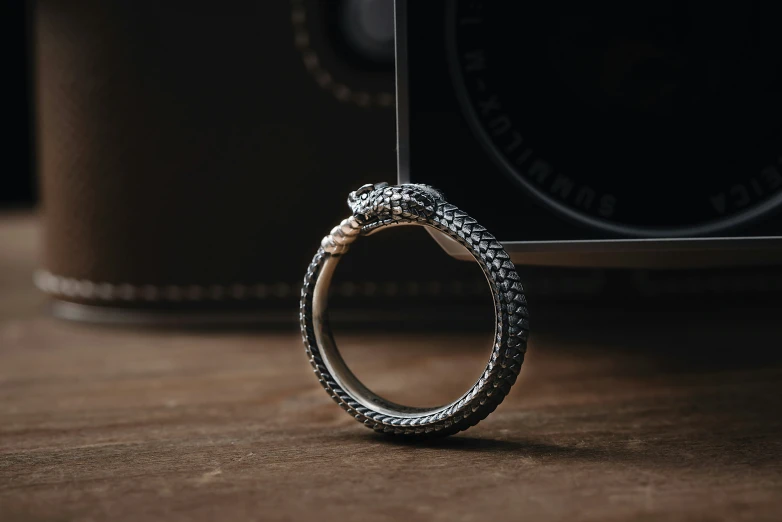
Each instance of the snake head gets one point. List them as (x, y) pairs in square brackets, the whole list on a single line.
[(358, 200), (380, 201)]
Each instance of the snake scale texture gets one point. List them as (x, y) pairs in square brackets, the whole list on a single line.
[(381, 205)]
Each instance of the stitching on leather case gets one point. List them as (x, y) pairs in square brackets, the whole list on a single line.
[(58, 285), (322, 76)]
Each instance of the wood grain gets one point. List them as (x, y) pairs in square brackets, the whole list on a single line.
[(624, 415)]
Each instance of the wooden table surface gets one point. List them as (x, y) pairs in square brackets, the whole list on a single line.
[(627, 415)]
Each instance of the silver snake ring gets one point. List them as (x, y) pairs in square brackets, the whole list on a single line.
[(374, 208)]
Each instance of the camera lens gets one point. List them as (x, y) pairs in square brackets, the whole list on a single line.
[(644, 118)]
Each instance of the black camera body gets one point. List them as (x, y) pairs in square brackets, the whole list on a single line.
[(648, 134)]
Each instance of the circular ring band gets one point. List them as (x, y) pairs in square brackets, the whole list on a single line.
[(375, 207)]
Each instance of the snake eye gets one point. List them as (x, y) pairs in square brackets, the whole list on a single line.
[(363, 189)]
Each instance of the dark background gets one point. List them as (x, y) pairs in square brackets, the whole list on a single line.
[(18, 189), (17, 183)]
